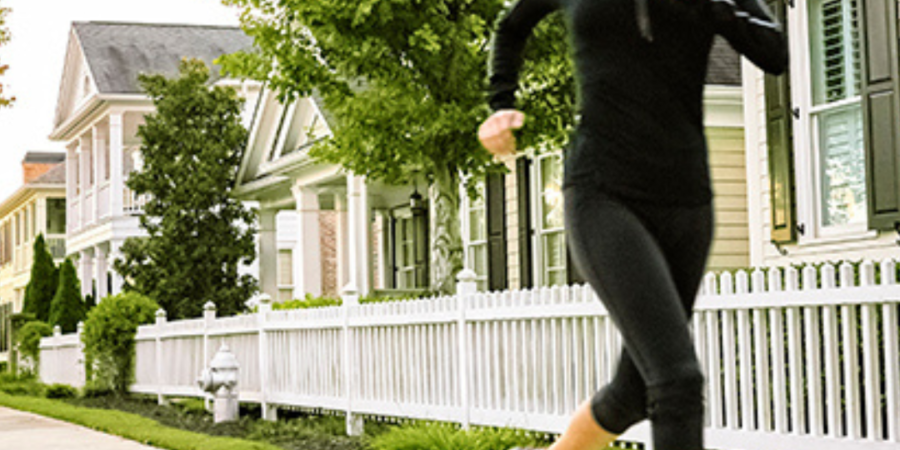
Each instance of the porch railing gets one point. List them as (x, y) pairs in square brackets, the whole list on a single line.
[(133, 203), (794, 360)]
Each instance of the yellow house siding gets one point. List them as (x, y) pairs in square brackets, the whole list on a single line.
[(731, 246)]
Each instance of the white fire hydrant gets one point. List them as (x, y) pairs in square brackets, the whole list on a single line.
[(221, 379)]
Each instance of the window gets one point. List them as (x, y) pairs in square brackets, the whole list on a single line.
[(550, 231), (835, 118), (56, 216), (285, 275), (410, 249), (476, 237)]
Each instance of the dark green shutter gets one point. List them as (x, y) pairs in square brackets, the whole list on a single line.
[(881, 111), (420, 228), (495, 205), (523, 198), (779, 118)]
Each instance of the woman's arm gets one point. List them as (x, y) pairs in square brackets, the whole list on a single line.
[(749, 27), (512, 32)]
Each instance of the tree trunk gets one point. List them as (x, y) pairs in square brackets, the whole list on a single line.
[(446, 239)]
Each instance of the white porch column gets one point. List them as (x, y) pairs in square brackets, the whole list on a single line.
[(342, 247), (102, 267), (87, 269), (72, 220), (268, 253), (358, 224), (116, 178), (41, 217), (97, 162), (87, 185), (307, 252), (115, 252)]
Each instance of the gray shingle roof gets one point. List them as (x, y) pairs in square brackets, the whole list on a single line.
[(44, 157), (56, 175), (118, 52), (724, 64)]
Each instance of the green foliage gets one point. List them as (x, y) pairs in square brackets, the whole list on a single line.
[(42, 285), (58, 390), (4, 38), (432, 436), (23, 385), (311, 301), (198, 234), (109, 338), (404, 83), (28, 339), (130, 426), (191, 405), (95, 389), (68, 308)]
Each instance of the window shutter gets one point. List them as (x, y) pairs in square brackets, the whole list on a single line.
[(495, 204), (523, 187), (420, 228), (779, 119), (880, 111)]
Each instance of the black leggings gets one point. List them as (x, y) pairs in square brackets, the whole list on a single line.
[(646, 262)]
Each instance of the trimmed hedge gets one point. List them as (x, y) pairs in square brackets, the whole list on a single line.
[(129, 426)]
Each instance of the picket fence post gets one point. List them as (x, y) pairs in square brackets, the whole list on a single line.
[(350, 300), (80, 373), (57, 355), (465, 288), (209, 316), (160, 321), (269, 412)]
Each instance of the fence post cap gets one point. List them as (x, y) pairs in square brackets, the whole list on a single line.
[(57, 330), (80, 327), (349, 289), (160, 313), (209, 306), (264, 299), (467, 275)]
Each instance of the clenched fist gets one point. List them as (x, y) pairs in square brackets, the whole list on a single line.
[(496, 134)]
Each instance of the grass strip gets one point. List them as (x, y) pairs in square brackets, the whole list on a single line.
[(129, 426)]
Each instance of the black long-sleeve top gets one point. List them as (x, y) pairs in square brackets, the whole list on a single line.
[(640, 133)]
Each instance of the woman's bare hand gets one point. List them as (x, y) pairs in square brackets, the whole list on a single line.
[(496, 133)]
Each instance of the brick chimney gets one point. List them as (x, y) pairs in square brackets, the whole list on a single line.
[(36, 164)]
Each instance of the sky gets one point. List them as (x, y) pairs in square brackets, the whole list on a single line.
[(40, 33)]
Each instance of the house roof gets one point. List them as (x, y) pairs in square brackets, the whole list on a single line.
[(44, 158), (724, 64), (56, 175), (118, 52)]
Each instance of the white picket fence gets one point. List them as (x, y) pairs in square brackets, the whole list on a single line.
[(793, 360), (62, 358)]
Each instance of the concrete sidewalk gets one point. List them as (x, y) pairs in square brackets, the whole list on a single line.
[(26, 431)]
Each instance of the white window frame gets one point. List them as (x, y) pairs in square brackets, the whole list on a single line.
[(469, 245), (807, 168), (537, 219), (284, 287)]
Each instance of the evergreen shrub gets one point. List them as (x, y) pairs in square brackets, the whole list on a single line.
[(109, 339), (28, 338), (58, 390), (43, 283), (68, 308)]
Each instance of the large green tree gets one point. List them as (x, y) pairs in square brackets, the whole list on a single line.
[(4, 38), (405, 81), (198, 234), (43, 282), (68, 308)]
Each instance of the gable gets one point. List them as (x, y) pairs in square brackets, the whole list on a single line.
[(77, 82)]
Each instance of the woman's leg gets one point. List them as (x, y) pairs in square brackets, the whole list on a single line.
[(646, 268)]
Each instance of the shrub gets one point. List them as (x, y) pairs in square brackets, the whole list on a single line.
[(28, 339), (68, 307), (58, 390), (109, 338), (42, 285), (191, 405), (94, 389), (21, 385), (433, 436)]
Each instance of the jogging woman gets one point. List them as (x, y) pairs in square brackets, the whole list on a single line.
[(637, 188)]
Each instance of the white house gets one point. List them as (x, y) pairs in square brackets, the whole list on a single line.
[(513, 234), (823, 141), (99, 110)]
